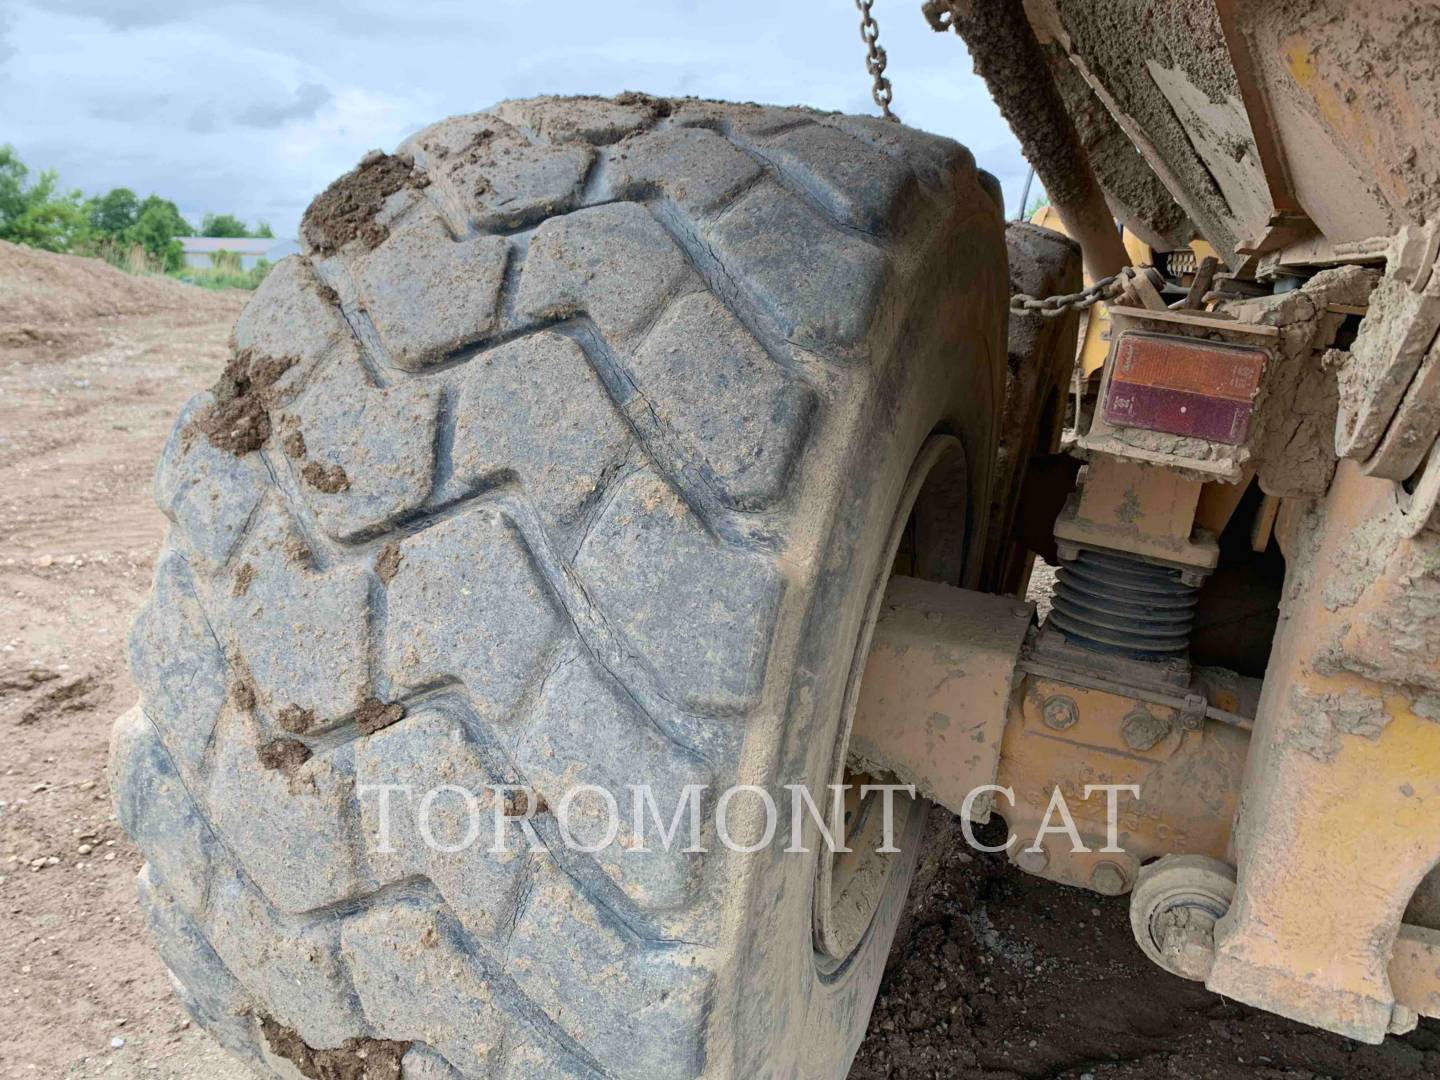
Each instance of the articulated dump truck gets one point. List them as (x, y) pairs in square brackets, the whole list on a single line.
[(611, 537)]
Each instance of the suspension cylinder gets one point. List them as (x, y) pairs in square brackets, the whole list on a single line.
[(1115, 603)]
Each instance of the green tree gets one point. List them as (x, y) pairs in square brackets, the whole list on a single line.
[(223, 225), (13, 175), (115, 212), (156, 230), (54, 222), (264, 231), (171, 214), (119, 220), (33, 213)]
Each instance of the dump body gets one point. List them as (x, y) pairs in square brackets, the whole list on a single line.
[(1265, 433)]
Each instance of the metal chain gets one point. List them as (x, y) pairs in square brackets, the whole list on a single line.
[(1052, 307), (875, 59)]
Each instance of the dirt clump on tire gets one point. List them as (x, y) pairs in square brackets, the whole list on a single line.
[(375, 714), (387, 565), (295, 720), (329, 479), (244, 577), (239, 420), (659, 107), (346, 210), (285, 756), (357, 1059)]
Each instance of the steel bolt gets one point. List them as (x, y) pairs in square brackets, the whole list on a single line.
[(1142, 729), (1032, 862), (1109, 879), (1059, 712)]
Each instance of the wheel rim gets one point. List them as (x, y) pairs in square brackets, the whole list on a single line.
[(850, 887)]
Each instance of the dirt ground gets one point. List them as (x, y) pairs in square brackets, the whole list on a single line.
[(93, 366), (995, 974)]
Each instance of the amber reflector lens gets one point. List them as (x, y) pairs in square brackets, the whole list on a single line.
[(1184, 386)]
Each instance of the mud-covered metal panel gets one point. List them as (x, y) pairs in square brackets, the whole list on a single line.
[(1354, 89), (1340, 814), (1113, 44), (1262, 117)]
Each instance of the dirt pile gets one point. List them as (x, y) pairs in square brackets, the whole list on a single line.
[(48, 299)]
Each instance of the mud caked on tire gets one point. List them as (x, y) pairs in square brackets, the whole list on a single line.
[(575, 450)]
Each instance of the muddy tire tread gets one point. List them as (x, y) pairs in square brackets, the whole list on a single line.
[(318, 903)]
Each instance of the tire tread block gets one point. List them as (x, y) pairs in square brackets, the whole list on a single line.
[(857, 184), (820, 286), (701, 612), (302, 632), (293, 968), (941, 164), (177, 664), (291, 832), (492, 170), (211, 995), (154, 806), (636, 1009), (416, 983), (382, 439), (425, 751), (696, 168), (585, 732), (208, 493), (613, 263), (535, 406), (420, 267), (597, 121), (468, 604), (711, 381), (292, 315)]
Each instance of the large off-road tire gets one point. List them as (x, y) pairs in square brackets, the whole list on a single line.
[(576, 449)]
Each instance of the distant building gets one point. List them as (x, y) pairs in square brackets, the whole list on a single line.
[(251, 250)]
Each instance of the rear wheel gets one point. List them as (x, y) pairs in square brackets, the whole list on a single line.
[(576, 450)]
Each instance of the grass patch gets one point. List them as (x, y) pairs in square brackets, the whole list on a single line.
[(223, 273)]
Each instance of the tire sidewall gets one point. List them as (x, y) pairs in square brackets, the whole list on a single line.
[(943, 376)]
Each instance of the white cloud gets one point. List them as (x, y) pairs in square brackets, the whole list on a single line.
[(252, 108), (307, 100)]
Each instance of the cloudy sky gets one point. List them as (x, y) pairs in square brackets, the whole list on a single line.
[(253, 107)]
